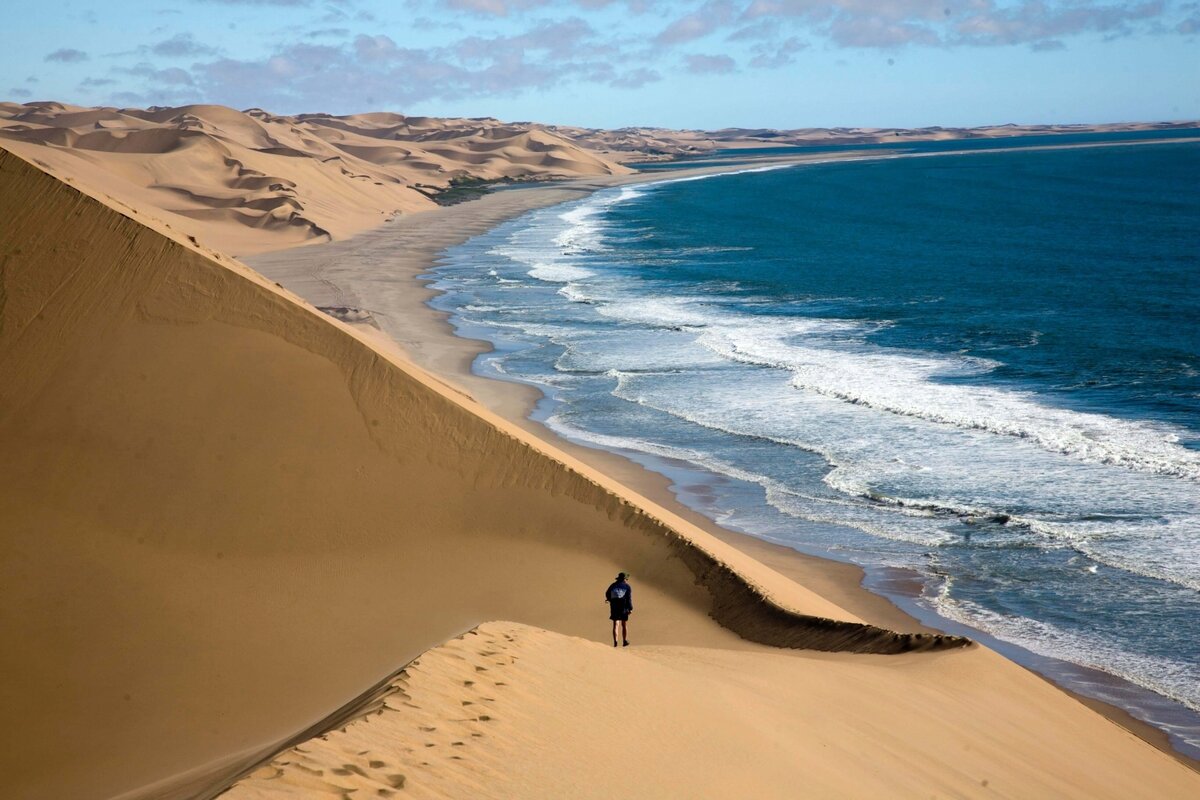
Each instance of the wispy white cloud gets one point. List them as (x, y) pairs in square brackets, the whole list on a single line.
[(954, 23), (170, 76), (635, 78), (292, 3), (1037, 21), (181, 45), (494, 8), (773, 55), (376, 70), (453, 49), (67, 55), (705, 64), (709, 17)]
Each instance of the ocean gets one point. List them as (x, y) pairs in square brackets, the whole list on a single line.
[(981, 369)]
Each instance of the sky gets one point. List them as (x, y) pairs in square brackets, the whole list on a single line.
[(703, 64)]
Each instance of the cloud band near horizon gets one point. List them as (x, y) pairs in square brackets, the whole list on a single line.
[(346, 55)]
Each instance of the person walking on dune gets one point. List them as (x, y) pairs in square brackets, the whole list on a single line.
[(620, 605)]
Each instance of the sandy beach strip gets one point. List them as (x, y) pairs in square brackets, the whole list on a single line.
[(382, 268)]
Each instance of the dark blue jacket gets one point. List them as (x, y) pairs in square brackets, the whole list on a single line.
[(620, 596)]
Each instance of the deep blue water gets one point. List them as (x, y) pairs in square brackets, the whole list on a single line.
[(983, 368)]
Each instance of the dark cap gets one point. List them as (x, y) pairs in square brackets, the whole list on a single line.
[(620, 576)]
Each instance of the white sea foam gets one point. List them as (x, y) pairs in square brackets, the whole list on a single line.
[(620, 350), (911, 525), (574, 232), (561, 333), (577, 292), (847, 369), (666, 312), (558, 272), (1177, 680), (908, 384), (628, 443), (1162, 547), (712, 175), (583, 230), (915, 464)]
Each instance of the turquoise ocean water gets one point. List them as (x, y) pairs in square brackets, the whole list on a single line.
[(981, 368)]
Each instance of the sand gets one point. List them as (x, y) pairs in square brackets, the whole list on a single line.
[(249, 181), (227, 515), (492, 714)]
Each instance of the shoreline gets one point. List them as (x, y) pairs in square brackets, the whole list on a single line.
[(409, 247), (267, 513), (229, 513)]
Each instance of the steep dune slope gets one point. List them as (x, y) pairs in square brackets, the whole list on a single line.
[(249, 181), (224, 514)]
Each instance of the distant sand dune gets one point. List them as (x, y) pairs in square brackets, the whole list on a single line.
[(342, 174), (647, 144)]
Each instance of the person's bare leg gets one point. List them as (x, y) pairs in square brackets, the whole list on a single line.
[(614, 622), (624, 633)]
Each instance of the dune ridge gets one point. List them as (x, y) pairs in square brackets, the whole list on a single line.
[(490, 714), (209, 485), (253, 180)]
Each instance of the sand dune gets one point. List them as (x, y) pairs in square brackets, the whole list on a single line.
[(227, 515), (290, 180), (490, 715)]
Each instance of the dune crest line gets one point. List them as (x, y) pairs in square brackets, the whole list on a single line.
[(211, 484)]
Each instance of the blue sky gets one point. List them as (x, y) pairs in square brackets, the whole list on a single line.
[(611, 63)]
